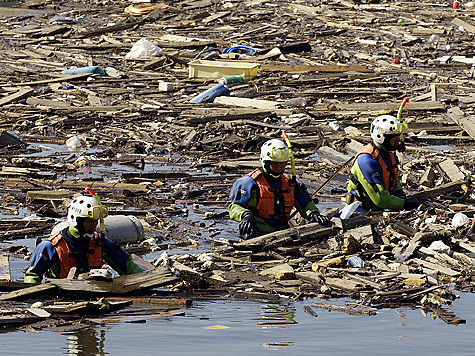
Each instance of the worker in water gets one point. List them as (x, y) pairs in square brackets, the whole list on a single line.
[(79, 245), (374, 177), (263, 199)]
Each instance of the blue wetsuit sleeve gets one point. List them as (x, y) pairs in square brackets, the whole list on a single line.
[(41, 260), (303, 201), (243, 196), (241, 192), (371, 169)]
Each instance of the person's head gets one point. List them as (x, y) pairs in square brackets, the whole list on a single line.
[(387, 131), (84, 213), (274, 157)]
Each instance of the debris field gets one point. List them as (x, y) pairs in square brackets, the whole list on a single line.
[(128, 98)]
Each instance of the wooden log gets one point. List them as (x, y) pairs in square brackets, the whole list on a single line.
[(350, 310), (434, 192), (113, 28), (298, 234), (174, 302), (376, 107)]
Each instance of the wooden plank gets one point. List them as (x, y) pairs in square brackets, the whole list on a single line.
[(17, 96), (466, 123), (64, 78), (28, 292), (49, 103), (5, 268), (350, 310), (282, 271), (344, 284), (467, 27), (410, 106), (47, 195), (434, 192), (312, 68), (246, 102), (119, 285), (435, 267), (175, 302), (451, 170), (39, 312)]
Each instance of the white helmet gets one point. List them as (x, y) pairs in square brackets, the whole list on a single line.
[(275, 151), (85, 207), (386, 124)]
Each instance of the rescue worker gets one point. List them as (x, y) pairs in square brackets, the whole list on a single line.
[(374, 176), (262, 199), (78, 245)]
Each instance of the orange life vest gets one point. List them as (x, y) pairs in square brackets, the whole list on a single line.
[(390, 173), (66, 258), (273, 203)]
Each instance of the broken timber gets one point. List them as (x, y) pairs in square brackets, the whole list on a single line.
[(293, 235), (119, 285)]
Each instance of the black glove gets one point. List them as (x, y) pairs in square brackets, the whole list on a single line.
[(316, 217), (400, 194), (248, 226), (411, 204)]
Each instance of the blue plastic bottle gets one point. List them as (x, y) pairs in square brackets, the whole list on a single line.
[(209, 95)]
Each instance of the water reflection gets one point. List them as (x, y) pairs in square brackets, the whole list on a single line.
[(277, 316), (87, 342)]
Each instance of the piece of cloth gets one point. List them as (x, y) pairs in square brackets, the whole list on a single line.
[(245, 195), (374, 180), (45, 259)]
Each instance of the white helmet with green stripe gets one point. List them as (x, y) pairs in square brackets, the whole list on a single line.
[(275, 151)]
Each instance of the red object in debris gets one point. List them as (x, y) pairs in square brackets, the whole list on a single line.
[(455, 4), (397, 61)]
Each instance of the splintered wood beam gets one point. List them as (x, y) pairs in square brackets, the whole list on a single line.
[(29, 292)]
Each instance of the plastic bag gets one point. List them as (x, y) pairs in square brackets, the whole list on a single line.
[(143, 49), (460, 219), (348, 210)]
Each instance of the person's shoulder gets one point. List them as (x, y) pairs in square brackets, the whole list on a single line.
[(45, 245), (245, 181), (365, 158)]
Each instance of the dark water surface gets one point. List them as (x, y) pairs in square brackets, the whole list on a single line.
[(252, 328)]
